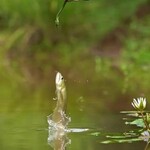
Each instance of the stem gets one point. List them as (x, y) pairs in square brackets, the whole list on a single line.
[(61, 9), (144, 120), (146, 147), (59, 12)]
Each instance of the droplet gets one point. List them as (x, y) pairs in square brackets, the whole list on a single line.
[(54, 98)]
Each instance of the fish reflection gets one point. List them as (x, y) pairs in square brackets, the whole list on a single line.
[(57, 138)]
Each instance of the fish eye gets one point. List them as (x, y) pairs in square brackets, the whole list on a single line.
[(62, 78)]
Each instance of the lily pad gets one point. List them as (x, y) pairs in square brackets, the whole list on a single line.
[(137, 122)]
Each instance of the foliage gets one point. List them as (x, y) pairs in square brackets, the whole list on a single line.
[(31, 47), (140, 118)]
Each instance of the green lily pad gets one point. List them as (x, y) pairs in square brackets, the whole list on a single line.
[(137, 122)]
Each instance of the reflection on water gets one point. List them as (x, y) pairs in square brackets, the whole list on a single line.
[(29, 131), (57, 135), (58, 139), (23, 124)]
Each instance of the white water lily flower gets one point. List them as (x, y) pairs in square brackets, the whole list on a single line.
[(139, 103)]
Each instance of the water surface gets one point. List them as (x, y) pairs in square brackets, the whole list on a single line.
[(26, 130), (93, 105)]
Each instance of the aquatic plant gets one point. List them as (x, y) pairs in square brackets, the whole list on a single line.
[(139, 118), (139, 104)]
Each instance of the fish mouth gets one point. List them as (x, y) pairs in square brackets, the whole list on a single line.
[(59, 78)]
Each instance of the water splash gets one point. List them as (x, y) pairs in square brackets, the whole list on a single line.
[(57, 135), (61, 124), (58, 120)]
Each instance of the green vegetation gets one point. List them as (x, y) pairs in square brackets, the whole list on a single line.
[(139, 118), (102, 49), (110, 38)]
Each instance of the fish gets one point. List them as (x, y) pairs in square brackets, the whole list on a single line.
[(59, 113), (61, 91)]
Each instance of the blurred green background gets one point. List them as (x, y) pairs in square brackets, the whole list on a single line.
[(101, 47)]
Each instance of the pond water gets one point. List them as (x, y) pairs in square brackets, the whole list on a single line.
[(94, 113), (29, 130)]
